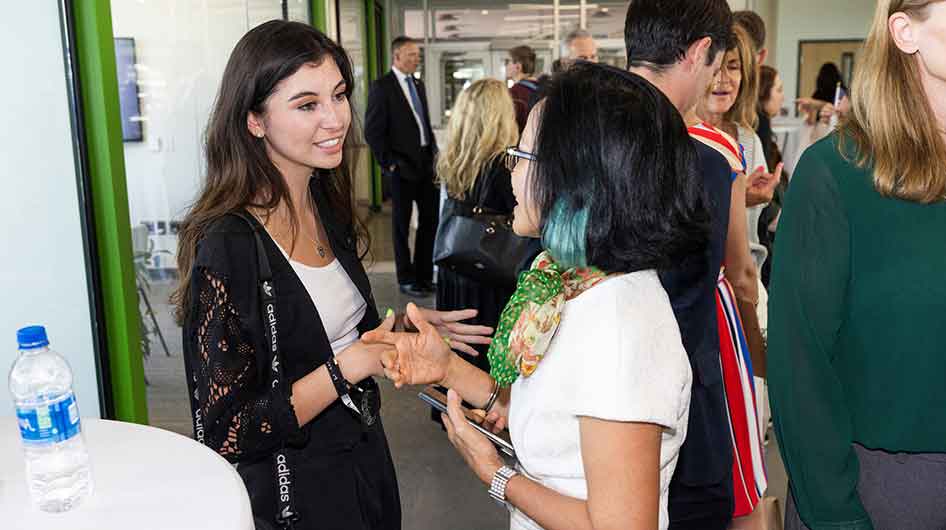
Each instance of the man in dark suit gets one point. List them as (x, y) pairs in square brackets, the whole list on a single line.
[(397, 128), (678, 46)]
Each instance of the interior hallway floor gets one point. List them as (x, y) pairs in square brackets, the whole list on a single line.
[(437, 490)]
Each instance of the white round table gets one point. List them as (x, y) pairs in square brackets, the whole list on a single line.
[(144, 478)]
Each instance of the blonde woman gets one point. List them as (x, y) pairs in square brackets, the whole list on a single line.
[(730, 106), (859, 299), (724, 119), (472, 167)]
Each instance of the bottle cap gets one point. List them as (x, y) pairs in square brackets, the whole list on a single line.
[(32, 337)]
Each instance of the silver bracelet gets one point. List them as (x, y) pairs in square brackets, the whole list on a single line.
[(497, 488), (492, 397)]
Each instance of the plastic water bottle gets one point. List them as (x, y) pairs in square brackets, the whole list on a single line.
[(57, 464)]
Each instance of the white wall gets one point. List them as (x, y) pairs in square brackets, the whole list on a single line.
[(182, 47), (44, 279), (815, 20), (768, 10)]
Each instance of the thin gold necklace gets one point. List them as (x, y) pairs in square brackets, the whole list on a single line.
[(318, 245)]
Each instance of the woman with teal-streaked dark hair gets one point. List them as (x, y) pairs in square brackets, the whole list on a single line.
[(587, 365)]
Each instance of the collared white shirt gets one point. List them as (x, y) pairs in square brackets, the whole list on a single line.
[(402, 80)]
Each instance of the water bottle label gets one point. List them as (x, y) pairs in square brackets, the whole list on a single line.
[(50, 423)]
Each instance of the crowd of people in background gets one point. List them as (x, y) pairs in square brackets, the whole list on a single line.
[(634, 359)]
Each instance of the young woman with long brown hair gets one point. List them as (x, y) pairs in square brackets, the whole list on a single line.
[(858, 305), (281, 382)]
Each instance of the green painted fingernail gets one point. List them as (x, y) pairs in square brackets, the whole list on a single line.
[(389, 313)]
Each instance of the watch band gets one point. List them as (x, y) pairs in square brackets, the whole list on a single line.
[(341, 384), (497, 488)]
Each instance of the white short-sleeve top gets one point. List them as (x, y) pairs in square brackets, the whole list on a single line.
[(617, 356)]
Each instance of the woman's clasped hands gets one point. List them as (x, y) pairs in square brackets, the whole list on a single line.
[(443, 330), (425, 356)]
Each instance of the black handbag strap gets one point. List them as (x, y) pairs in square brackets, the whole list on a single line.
[(286, 514), (478, 206)]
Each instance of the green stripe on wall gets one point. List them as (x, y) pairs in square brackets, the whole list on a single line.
[(374, 34), (318, 15), (98, 81)]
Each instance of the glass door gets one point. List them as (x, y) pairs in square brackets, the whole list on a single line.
[(170, 56)]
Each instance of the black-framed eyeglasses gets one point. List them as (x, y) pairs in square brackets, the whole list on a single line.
[(513, 154)]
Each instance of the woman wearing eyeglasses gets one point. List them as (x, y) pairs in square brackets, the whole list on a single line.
[(473, 169), (600, 382)]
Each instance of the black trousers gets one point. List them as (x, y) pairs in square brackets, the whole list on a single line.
[(418, 268), (705, 507)]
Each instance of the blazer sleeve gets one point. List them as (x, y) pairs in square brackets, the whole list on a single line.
[(243, 418), (377, 124), (810, 281)]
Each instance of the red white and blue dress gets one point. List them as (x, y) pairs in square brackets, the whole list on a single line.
[(749, 476)]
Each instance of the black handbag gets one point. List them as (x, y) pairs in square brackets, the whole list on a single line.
[(479, 243)]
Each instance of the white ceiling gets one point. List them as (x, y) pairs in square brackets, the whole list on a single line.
[(516, 21)]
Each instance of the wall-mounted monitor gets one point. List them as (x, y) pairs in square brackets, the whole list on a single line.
[(128, 89)]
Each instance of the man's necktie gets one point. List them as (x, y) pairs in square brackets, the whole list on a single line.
[(418, 108)]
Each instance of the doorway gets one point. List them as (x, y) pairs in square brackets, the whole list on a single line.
[(813, 54)]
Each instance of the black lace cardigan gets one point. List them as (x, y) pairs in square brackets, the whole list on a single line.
[(241, 417)]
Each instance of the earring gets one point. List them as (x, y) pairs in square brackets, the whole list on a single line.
[(260, 134)]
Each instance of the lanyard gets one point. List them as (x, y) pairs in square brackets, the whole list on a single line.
[(286, 514)]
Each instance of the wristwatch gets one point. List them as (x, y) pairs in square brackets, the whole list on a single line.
[(497, 488)]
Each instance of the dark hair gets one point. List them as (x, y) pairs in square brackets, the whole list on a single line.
[(827, 82), (525, 56), (754, 26), (400, 41), (767, 76), (615, 180), (240, 173), (657, 33)]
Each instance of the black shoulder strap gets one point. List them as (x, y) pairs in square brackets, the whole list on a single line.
[(286, 514), (531, 85), (484, 181)]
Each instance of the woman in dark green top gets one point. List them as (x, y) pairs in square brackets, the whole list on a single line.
[(857, 331)]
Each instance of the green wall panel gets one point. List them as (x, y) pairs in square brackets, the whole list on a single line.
[(95, 56), (319, 15)]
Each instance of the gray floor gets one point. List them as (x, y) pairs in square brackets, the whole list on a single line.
[(437, 489)]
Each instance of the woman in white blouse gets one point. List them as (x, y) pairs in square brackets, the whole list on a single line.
[(606, 175)]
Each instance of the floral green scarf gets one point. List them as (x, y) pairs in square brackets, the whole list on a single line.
[(531, 318)]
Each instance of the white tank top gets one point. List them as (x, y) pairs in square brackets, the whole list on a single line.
[(340, 305)]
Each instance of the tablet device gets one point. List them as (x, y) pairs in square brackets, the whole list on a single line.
[(438, 400)]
